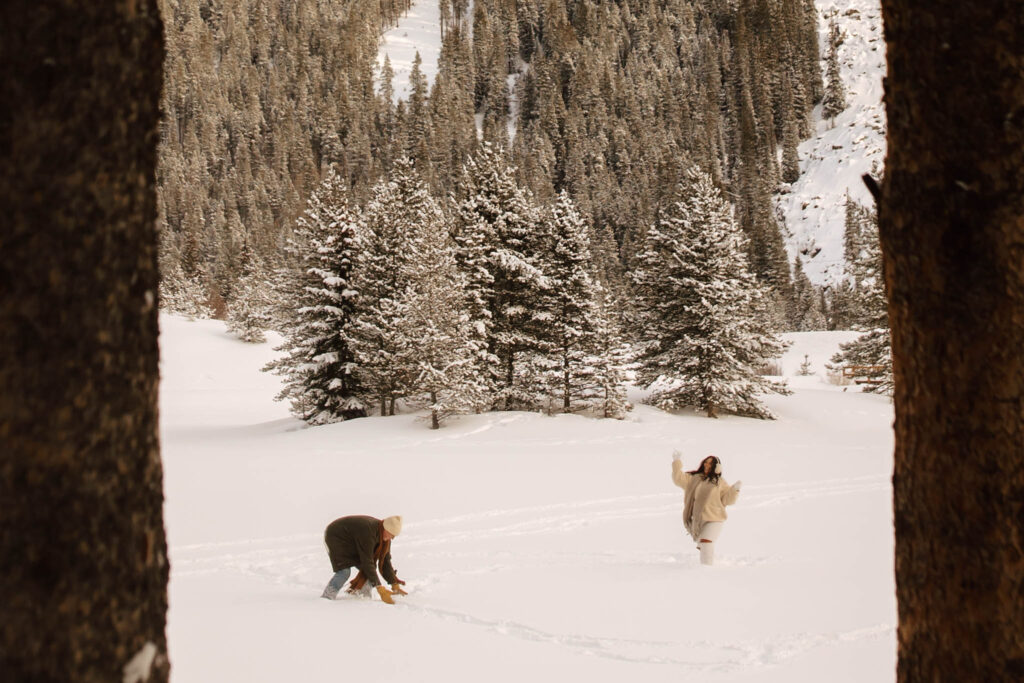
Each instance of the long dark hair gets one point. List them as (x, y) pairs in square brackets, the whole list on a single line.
[(715, 464)]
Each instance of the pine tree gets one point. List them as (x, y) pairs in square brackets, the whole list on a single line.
[(409, 331), (444, 348), (839, 305), (834, 101), (864, 254), (790, 156), (703, 340), (249, 314), (183, 295), (417, 144), (572, 299), (318, 366), (382, 276), (610, 364), (791, 122), (806, 314), (499, 248)]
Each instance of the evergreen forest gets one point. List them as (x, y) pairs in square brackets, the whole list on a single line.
[(537, 177)]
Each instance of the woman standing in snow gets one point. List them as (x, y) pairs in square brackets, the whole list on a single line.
[(706, 495)]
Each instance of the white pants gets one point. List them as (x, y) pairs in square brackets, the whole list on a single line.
[(710, 532)]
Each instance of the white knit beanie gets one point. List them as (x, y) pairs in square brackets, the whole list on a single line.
[(393, 525)]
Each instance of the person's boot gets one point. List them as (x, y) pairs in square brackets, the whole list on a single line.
[(335, 584)]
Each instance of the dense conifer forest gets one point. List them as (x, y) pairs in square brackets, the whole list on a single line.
[(614, 101), (492, 239)]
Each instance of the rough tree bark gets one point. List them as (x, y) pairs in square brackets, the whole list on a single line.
[(952, 229), (83, 565)]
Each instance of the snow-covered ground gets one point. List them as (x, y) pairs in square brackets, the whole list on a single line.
[(534, 547), (833, 161), (419, 30)]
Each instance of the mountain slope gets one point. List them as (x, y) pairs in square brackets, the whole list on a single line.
[(832, 162)]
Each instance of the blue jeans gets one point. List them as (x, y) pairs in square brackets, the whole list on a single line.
[(336, 582)]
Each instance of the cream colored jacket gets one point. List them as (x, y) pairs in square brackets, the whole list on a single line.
[(714, 508)]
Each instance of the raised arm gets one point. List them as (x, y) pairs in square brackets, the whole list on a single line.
[(679, 477)]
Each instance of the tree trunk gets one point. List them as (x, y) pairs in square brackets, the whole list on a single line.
[(83, 557), (952, 232), (566, 384), (435, 422)]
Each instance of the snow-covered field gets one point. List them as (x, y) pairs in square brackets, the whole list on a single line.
[(534, 547), (841, 151)]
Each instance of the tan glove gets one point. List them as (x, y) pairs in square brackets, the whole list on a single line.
[(397, 589), (385, 595)]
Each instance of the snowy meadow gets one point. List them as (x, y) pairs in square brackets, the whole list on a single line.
[(533, 546)]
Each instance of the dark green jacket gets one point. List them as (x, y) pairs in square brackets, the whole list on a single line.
[(350, 543)]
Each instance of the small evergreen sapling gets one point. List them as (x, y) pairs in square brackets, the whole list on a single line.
[(249, 313)]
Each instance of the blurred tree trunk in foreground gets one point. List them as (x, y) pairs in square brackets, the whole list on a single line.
[(952, 229), (83, 557)]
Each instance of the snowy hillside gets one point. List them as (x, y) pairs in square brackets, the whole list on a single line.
[(534, 547), (418, 31), (832, 162)]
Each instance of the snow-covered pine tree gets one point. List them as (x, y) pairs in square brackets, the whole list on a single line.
[(445, 354), (474, 240), (834, 101), (318, 365), (864, 256), (790, 155), (805, 313), (383, 276), (572, 300), (610, 365), (842, 302), (249, 313), (180, 293), (183, 295), (703, 339), (499, 246), (409, 330), (438, 327)]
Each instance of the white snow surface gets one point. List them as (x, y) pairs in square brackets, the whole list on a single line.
[(534, 547), (833, 161), (419, 30)]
